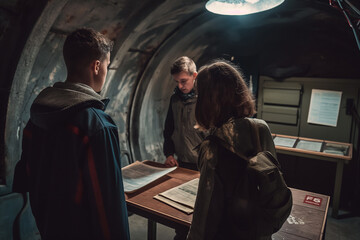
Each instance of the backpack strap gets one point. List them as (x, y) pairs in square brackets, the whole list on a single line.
[(225, 145), (255, 129), (255, 136)]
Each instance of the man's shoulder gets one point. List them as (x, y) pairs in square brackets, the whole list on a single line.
[(175, 98), (94, 119)]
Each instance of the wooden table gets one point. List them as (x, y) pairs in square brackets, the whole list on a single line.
[(338, 159), (142, 202), (307, 219)]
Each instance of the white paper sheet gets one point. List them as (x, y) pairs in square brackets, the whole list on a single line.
[(138, 175), (336, 149), (184, 194), (285, 142), (176, 205), (309, 145), (324, 107)]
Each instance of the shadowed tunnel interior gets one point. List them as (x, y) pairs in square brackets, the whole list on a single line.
[(300, 38)]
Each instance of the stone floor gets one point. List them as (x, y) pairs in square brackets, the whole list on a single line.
[(347, 228)]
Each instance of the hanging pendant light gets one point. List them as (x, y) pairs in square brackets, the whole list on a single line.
[(240, 7)]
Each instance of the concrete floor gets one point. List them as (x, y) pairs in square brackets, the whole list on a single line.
[(346, 228), (336, 229), (138, 229)]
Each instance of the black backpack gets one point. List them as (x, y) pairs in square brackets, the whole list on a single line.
[(261, 192)]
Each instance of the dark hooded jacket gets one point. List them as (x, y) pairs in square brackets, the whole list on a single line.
[(70, 165), (180, 136), (220, 171)]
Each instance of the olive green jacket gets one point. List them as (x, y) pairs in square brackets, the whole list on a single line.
[(219, 171), (180, 136)]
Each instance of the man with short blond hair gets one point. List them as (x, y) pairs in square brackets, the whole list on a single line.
[(180, 136)]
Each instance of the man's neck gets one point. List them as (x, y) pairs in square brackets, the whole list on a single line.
[(80, 78), (185, 96)]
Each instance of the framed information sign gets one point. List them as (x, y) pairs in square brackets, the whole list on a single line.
[(324, 107)]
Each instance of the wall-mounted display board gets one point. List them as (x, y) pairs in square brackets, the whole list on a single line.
[(308, 107), (331, 151)]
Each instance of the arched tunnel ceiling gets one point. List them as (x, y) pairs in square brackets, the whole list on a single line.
[(305, 38), (297, 40)]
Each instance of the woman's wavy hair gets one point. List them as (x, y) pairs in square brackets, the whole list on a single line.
[(222, 94)]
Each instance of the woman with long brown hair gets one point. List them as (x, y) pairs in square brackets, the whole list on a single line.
[(224, 108)]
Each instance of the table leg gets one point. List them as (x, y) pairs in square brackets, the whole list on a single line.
[(337, 188), (151, 230)]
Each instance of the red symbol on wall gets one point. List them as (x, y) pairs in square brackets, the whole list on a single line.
[(313, 200)]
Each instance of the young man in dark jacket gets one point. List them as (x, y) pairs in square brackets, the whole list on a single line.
[(180, 135), (70, 162)]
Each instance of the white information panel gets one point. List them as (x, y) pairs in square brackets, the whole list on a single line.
[(324, 107)]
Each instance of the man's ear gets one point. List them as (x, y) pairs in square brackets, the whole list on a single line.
[(195, 74), (95, 66)]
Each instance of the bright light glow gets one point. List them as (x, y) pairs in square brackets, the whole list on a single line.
[(240, 7), (252, 1)]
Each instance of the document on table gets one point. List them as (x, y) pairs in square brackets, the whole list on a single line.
[(336, 149), (181, 197), (179, 206), (139, 174), (285, 142), (309, 145)]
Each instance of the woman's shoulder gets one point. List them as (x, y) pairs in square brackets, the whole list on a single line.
[(244, 123), (257, 121), (260, 123)]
